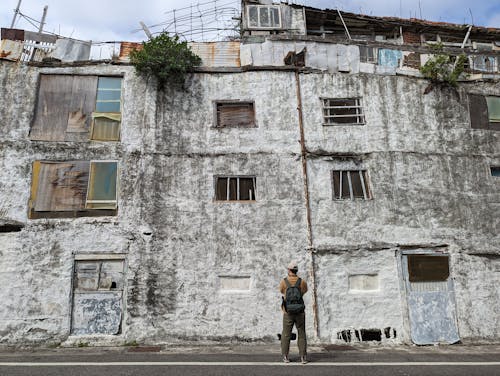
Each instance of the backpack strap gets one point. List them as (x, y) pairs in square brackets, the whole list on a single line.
[(297, 284), (287, 283)]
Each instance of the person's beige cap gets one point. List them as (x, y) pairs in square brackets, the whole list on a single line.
[(292, 265)]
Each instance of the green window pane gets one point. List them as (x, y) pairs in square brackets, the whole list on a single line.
[(107, 106), (102, 185), (493, 108), (109, 83), (108, 95)]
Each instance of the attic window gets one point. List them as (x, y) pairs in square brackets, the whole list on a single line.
[(339, 111), (234, 114), (264, 16)]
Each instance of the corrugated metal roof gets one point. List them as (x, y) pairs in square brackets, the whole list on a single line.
[(217, 54)]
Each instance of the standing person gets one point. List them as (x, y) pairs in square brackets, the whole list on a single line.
[(293, 288)]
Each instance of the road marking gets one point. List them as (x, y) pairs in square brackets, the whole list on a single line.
[(274, 364)]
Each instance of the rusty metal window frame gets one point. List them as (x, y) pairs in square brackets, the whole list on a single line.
[(267, 8), (232, 102), (364, 182), (332, 104), (252, 195)]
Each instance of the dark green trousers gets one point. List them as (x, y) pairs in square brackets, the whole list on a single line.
[(289, 320)]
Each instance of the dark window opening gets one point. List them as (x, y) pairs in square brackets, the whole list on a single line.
[(235, 188), (495, 171), (427, 268), (370, 335), (350, 185), (484, 112), (235, 115), (343, 111)]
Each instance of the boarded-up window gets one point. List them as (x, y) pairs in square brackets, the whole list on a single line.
[(263, 17), (484, 112), (63, 189), (340, 111), (350, 185), (67, 104), (97, 296), (367, 54), (235, 114), (425, 268), (235, 188)]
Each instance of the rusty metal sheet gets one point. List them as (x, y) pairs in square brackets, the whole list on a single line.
[(217, 54), (10, 50), (97, 313), (68, 50), (13, 34)]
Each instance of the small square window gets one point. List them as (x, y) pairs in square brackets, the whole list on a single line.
[(340, 111), (367, 54), (495, 171), (264, 16), (234, 114), (235, 188), (350, 185)]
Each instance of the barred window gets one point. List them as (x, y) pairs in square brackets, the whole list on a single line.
[(350, 185), (235, 188), (342, 111)]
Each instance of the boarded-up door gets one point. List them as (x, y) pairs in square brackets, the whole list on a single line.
[(431, 300), (97, 297)]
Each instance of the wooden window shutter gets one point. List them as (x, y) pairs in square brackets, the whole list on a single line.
[(478, 112), (237, 114)]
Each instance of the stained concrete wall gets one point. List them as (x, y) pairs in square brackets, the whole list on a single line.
[(428, 173)]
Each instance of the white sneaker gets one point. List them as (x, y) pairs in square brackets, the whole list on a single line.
[(285, 359), (303, 360)]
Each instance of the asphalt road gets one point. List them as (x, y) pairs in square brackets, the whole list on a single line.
[(348, 363)]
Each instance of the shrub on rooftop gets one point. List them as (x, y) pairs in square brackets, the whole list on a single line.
[(165, 58)]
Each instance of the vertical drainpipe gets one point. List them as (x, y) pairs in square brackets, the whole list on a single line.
[(303, 155)]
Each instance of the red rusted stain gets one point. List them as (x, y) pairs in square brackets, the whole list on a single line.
[(4, 54)]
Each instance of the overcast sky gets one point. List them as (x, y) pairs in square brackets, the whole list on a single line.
[(116, 20)]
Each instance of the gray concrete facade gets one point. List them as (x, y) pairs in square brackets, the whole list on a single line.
[(198, 269)]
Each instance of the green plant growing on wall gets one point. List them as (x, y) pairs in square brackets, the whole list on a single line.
[(166, 58), (443, 69)]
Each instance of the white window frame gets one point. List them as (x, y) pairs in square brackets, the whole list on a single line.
[(327, 106), (259, 9)]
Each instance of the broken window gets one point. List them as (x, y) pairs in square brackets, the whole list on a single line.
[(73, 189), (234, 114), (425, 268), (71, 107), (97, 296), (484, 112), (235, 188), (482, 63), (367, 54), (264, 17), (350, 185), (342, 111)]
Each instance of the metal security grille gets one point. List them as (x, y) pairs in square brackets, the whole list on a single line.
[(235, 188), (342, 111), (350, 185)]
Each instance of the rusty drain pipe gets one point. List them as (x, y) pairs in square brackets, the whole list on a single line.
[(303, 155)]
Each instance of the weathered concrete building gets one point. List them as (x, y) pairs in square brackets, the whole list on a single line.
[(128, 214)]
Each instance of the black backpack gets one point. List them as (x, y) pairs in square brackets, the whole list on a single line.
[(293, 298)]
